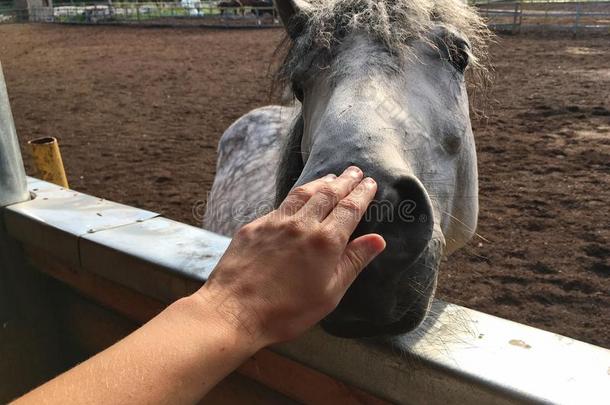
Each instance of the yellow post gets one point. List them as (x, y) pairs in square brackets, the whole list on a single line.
[(47, 160)]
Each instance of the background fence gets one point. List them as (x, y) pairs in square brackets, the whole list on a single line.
[(539, 16), (511, 16), (11, 12), (186, 12)]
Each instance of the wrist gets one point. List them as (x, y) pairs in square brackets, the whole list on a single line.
[(232, 324)]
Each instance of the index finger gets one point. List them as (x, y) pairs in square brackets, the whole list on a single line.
[(298, 196), (349, 211)]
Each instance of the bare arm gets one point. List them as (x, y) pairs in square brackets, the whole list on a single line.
[(175, 358), (281, 274)]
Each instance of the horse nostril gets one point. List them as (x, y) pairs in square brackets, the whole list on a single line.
[(402, 214), (412, 209)]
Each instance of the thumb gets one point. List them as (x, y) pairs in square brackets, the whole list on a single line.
[(357, 254)]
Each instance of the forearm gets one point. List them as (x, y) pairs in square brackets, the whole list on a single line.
[(177, 357)]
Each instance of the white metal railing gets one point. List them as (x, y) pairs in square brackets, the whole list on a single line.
[(458, 356)]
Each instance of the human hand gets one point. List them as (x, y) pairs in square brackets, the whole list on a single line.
[(285, 271)]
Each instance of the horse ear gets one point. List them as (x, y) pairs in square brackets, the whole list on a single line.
[(289, 10)]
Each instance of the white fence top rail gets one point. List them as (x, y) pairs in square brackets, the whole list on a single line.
[(457, 356)]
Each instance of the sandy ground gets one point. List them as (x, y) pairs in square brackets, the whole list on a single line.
[(139, 113)]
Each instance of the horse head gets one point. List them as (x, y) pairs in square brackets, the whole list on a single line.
[(382, 87)]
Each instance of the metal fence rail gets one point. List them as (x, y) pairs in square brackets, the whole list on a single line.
[(13, 15), (521, 16), (159, 14), (458, 356), (575, 17)]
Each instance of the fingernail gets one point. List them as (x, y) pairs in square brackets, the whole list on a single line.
[(329, 177), (353, 171), (369, 182)]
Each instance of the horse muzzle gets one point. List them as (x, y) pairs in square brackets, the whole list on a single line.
[(392, 295)]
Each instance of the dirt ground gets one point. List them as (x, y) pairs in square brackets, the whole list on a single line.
[(139, 112)]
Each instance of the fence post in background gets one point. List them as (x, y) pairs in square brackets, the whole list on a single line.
[(520, 17), (110, 10), (21, 10), (546, 17), (515, 17), (577, 18)]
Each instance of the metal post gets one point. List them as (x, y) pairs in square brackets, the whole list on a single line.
[(13, 189), (515, 17), (28, 332), (13, 186), (577, 19)]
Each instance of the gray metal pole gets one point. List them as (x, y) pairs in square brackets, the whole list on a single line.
[(13, 189), (28, 331), (13, 186)]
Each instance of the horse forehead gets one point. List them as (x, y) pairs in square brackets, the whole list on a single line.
[(361, 55), (366, 72)]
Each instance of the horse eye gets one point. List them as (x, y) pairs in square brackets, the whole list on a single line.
[(458, 54), (452, 144), (297, 91)]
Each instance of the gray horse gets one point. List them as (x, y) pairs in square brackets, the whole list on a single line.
[(380, 85)]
